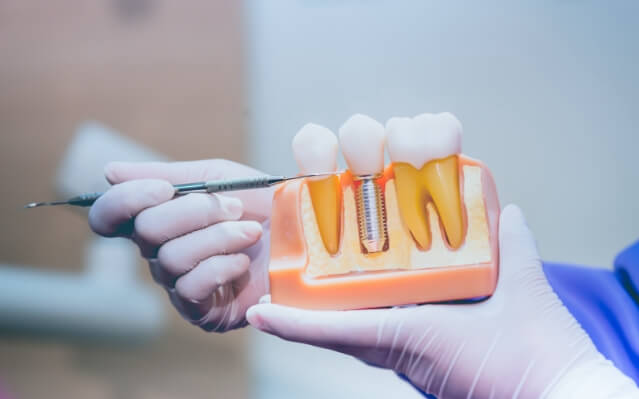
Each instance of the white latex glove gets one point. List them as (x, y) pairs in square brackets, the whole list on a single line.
[(209, 251), (521, 342)]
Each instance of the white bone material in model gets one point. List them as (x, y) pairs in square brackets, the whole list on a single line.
[(423, 138), (362, 142), (315, 149)]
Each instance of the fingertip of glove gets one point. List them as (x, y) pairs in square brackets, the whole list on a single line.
[(512, 219), (233, 207), (257, 314), (112, 172), (95, 222), (512, 211), (254, 317), (156, 191), (252, 230)]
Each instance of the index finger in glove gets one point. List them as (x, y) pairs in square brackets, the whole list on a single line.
[(257, 202), (113, 213)]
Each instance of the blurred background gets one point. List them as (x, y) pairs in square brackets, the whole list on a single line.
[(547, 92)]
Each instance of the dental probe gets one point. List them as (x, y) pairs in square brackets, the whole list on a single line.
[(213, 186)]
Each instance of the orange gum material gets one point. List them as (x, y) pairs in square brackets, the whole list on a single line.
[(290, 285)]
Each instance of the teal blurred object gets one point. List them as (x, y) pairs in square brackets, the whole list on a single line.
[(106, 301)]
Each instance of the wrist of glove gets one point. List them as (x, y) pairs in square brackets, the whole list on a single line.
[(595, 379)]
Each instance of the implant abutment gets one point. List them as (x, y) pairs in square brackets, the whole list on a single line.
[(371, 214)]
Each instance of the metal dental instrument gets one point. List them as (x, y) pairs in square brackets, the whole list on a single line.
[(213, 186)]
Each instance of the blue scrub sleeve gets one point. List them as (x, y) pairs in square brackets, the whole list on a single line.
[(606, 304)]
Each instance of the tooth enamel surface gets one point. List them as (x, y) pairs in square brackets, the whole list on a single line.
[(362, 143), (423, 138), (424, 153), (315, 150), (442, 134)]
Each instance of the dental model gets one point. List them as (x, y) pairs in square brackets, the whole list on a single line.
[(423, 229)]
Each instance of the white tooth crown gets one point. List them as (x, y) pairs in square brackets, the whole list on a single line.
[(315, 149), (423, 138), (362, 142)]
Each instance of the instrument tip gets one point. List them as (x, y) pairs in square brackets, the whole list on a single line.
[(325, 174), (39, 204)]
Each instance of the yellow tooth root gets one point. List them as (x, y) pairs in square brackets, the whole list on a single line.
[(411, 199), (441, 178), (326, 197)]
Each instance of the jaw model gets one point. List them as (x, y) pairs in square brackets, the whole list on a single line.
[(441, 213)]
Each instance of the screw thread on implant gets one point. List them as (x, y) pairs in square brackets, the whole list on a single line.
[(371, 215)]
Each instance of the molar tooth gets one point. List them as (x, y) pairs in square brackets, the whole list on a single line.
[(406, 152), (315, 149), (424, 154)]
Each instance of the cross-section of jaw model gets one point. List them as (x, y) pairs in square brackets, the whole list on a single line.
[(422, 229)]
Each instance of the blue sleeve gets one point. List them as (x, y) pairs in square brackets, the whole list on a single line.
[(606, 304)]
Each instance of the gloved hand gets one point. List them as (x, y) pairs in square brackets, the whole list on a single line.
[(209, 251), (521, 342)]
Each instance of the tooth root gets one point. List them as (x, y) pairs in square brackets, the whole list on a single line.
[(412, 202), (441, 178), (326, 198)]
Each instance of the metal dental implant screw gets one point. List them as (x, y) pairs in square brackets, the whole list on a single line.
[(371, 214), (362, 141)]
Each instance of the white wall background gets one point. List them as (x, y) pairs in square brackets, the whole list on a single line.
[(548, 93)]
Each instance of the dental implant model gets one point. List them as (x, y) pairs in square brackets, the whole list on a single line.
[(362, 142), (422, 229)]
